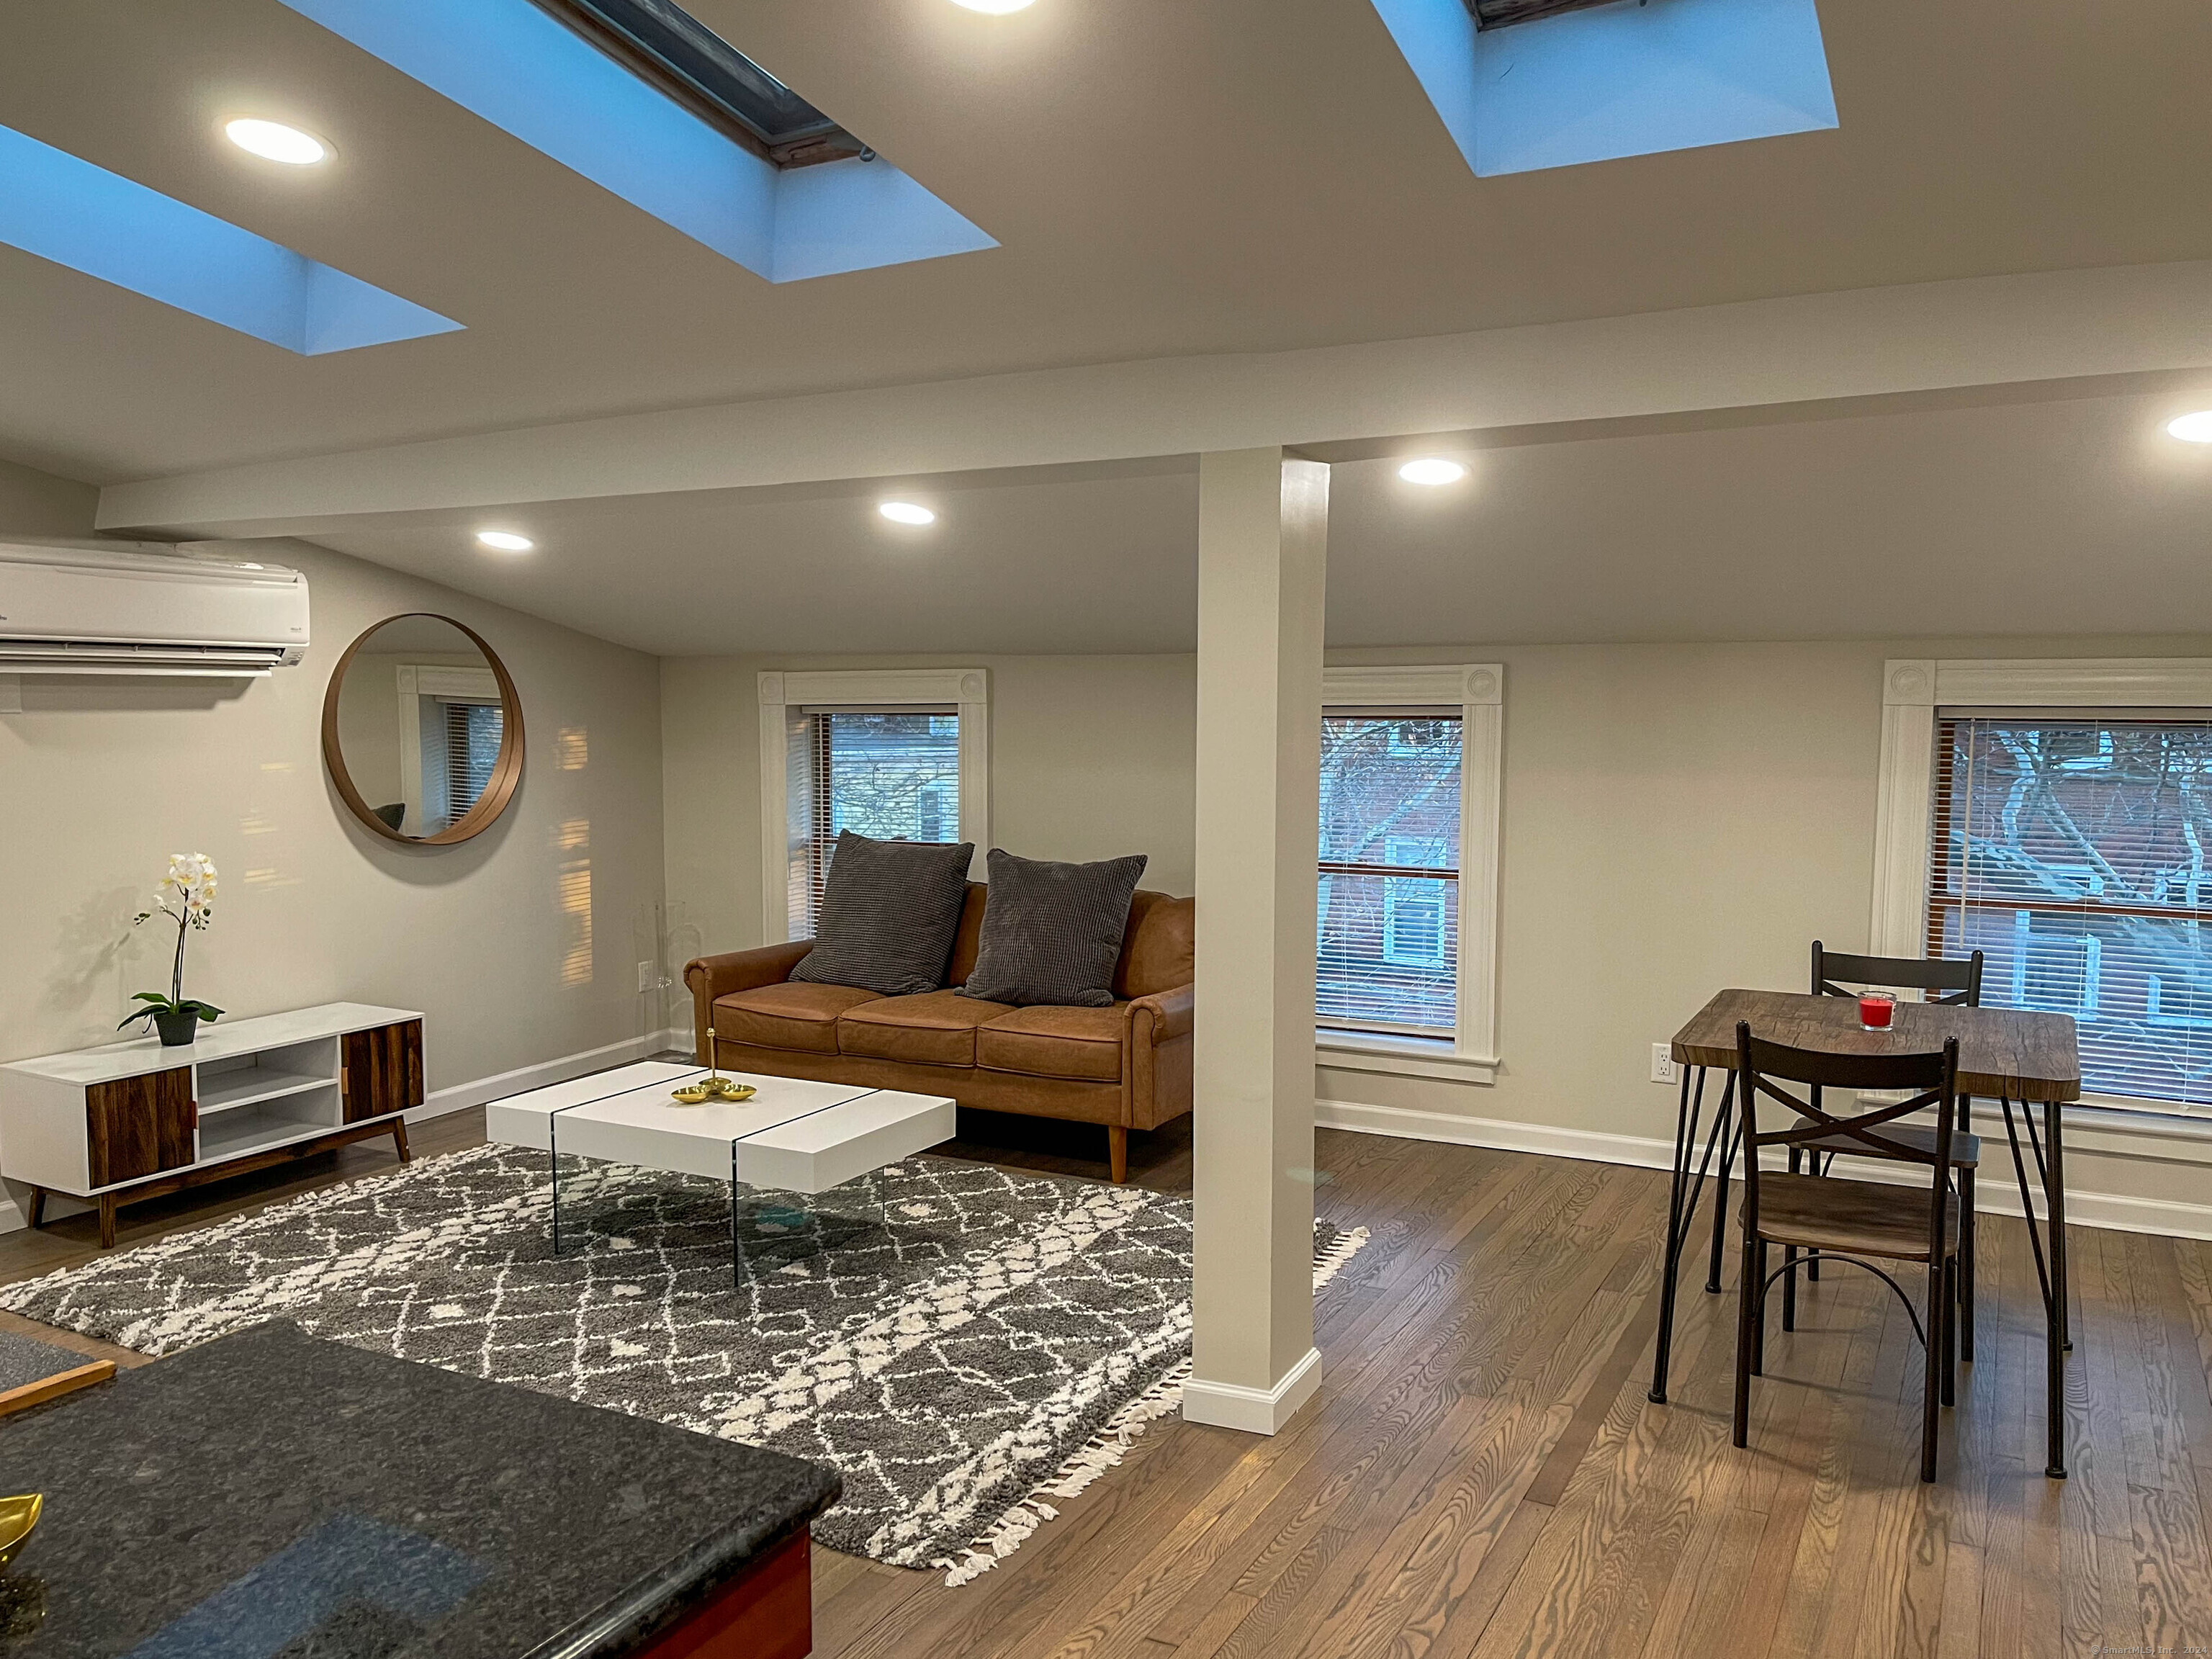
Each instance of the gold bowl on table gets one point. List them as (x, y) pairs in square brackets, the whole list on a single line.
[(711, 1088), (18, 1517)]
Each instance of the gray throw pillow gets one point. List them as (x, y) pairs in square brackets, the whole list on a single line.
[(1052, 933), (890, 911)]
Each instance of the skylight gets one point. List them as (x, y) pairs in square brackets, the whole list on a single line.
[(668, 47), (64, 209), (1496, 14), (586, 103), (1579, 81)]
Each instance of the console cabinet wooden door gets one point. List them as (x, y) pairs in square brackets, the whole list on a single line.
[(383, 1070), (139, 1125)]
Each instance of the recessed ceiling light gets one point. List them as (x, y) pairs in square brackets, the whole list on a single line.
[(907, 513), (1431, 470), (2193, 428), (272, 140), (505, 540), (996, 8)]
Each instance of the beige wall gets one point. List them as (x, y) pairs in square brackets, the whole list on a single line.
[(1676, 819), (38, 507), (520, 946), (1092, 757)]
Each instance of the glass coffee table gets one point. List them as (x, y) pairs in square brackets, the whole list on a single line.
[(818, 1141)]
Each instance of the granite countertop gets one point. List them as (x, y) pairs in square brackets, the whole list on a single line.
[(271, 1493)]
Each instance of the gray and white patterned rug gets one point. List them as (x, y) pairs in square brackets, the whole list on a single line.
[(995, 1345)]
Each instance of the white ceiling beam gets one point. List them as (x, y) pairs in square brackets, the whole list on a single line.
[(1979, 331)]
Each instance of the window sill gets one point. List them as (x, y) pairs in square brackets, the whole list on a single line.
[(1426, 1057)]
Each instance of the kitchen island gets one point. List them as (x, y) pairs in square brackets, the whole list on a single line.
[(273, 1493)]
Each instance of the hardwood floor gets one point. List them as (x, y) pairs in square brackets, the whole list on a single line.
[(1481, 1475)]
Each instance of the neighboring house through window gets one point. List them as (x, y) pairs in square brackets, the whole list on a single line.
[(1407, 936), (2071, 851), (2056, 815)]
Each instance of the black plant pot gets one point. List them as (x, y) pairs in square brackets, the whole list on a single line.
[(178, 1028)]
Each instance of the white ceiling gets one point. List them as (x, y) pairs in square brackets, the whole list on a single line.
[(2073, 517), (1165, 178)]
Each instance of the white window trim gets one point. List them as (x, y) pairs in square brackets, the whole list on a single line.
[(1478, 690), (969, 688), (1913, 693)]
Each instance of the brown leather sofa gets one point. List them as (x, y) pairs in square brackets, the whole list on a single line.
[(1127, 1066)]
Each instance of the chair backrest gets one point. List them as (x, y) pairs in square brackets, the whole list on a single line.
[(1962, 978), (1932, 1079)]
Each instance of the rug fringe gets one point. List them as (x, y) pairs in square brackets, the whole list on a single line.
[(1329, 1261), (1105, 1451)]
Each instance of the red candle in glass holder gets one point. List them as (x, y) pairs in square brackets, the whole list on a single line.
[(1874, 1012)]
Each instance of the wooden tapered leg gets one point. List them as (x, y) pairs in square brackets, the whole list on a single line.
[(38, 1205), (1117, 1151), (399, 1137), (107, 1221)]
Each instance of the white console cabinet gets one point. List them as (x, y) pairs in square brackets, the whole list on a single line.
[(128, 1120)]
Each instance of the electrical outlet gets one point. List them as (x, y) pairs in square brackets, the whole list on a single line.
[(647, 979), (1663, 1069)]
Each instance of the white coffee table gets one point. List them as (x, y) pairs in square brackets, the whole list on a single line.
[(793, 1136)]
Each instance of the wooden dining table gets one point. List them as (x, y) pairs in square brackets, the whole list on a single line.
[(2009, 1056)]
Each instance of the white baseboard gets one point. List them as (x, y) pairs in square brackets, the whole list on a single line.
[(1996, 1193), (459, 1096), (1254, 1411), (1455, 1130)]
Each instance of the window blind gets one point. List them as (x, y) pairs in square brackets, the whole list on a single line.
[(893, 774), (1388, 954), (2072, 852), (473, 740)]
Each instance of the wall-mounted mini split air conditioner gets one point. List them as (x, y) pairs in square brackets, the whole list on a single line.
[(89, 609)]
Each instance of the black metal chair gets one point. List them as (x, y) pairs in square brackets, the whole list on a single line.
[(1849, 1220), (1961, 978)]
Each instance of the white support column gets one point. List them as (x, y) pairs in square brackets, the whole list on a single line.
[(1262, 546)]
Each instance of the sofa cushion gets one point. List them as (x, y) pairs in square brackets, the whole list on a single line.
[(889, 910), (1053, 932), (1072, 1043), (790, 1016), (935, 1029)]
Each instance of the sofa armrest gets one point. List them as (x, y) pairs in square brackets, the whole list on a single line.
[(1160, 1018), (710, 977)]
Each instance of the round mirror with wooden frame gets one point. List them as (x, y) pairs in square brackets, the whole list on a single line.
[(422, 730)]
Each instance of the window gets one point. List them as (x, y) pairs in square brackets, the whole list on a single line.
[(894, 776), (1404, 963), (2072, 851), (899, 754), (472, 744), (1389, 872), (665, 46)]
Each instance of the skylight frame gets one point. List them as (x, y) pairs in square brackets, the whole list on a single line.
[(512, 64), (672, 51)]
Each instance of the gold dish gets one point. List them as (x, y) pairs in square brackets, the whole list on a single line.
[(18, 1517), (712, 1088)]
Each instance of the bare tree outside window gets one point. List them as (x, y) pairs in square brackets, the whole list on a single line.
[(2072, 851), (890, 776)]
